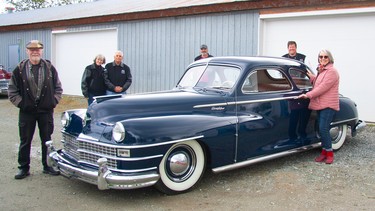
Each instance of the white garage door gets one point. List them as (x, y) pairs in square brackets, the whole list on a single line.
[(72, 52), (348, 34)]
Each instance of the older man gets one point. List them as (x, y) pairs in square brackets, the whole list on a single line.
[(117, 75), (35, 89)]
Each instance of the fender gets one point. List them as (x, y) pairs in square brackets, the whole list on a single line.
[(348, 113)]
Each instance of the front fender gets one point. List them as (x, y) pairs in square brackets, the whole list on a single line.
[(167, 128)]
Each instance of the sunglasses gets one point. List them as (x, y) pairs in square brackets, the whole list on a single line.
[(321, 57)]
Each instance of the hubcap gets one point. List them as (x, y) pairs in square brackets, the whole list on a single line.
[(179, 163)]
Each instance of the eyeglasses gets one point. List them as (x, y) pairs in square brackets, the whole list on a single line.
[(321, 57)]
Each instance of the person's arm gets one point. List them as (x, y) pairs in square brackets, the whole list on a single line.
[(128, 80), (84, 86), (58, 85), (107, 82), (14, 93)]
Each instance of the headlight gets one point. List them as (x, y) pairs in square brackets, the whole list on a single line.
[(118, 132), (65, 119)]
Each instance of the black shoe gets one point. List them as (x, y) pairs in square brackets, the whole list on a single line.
[(51, 171), (22, 173)]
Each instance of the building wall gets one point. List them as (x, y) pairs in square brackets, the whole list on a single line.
[(21, 38), (158, 50)]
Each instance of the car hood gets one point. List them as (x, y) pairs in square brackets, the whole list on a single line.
[(173, 102)]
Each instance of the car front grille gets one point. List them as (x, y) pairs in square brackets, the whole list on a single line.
[(85, 151)]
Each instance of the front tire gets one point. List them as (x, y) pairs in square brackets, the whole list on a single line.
[(181, 168)]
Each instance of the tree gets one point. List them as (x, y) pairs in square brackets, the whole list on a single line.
[(23, 5)]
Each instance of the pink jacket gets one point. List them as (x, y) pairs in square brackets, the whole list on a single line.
[(325, 92)]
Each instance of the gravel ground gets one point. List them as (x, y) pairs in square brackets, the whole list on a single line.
[(290, 183)]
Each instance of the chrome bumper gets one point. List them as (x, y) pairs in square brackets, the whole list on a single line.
[(103, 178), (360, 125)]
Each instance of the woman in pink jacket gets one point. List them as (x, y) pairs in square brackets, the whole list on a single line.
[(324, 98)]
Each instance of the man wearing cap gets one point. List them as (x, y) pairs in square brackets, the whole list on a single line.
[(35, 89), (204, 53)]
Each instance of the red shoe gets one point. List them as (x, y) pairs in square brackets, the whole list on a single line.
[(322, 156), (329, 158)]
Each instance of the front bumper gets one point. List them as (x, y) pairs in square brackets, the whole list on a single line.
[(103, 177)]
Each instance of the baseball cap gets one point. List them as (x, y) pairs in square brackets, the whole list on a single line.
[(204, 46), (34, 44)]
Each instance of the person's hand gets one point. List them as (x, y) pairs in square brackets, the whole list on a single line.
[(118, 89), (302, 96)]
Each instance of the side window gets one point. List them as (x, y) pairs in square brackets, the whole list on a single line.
[(266, 80), (300, 78)]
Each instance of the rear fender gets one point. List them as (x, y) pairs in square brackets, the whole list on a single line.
[(348, 113)]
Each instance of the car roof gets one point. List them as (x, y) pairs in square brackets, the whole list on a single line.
[(248, 62)]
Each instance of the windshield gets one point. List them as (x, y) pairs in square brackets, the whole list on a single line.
[(211, 76)]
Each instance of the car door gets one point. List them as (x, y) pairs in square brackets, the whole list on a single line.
[(263, 111)]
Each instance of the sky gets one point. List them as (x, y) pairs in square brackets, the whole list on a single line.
[(2, 6)]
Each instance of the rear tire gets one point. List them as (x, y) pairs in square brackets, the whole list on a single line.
[(181, 168), (338, 134)]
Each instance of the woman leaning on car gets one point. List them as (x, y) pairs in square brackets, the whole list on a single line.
[(324, 98)]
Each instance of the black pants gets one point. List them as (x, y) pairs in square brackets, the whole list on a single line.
[(26, 124)]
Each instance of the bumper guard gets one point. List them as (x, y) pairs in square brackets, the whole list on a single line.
[(103, 178)]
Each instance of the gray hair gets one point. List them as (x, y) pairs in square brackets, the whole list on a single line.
[(99, 56), (329, 54)]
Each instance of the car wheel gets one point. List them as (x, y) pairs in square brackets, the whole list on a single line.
[(338, 134), (181, 168)]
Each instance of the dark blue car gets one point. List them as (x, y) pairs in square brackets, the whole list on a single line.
[(224, 113)]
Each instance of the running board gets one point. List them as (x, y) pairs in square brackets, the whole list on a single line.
[(264, 158)]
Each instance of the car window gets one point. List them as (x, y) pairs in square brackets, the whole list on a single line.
[(266, 80), (212, 76), (192, 76), (300, 78)]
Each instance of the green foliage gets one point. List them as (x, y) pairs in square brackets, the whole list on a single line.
[(23, 5)]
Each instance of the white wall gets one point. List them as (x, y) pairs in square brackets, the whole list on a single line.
[(348, 34), (73, 51)]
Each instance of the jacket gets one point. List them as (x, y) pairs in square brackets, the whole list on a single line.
[(325, 92), (19, 89), (93, 81)]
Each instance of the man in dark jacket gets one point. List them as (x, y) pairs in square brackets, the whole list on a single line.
[(35, 89), (204, 53), (292, 52), (117, 75), (93, 79)]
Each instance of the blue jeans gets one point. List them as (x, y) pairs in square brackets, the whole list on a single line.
[(90, 99), (325, 118), (114, 93)]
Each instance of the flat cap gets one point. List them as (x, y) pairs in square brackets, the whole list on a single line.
[(34, 44)]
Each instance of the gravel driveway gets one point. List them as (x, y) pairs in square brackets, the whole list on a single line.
[(290, 183)]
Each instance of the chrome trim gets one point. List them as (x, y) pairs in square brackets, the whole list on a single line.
[(342, 121), (104, 178), (244, 102), (120, 170), (143, 146), (360, 125), (119, 158), (264, 158)]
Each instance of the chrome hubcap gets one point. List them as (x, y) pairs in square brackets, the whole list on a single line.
[(179, 163)]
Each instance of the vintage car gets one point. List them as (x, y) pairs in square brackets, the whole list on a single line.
[(4, 80), (224, 113)]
